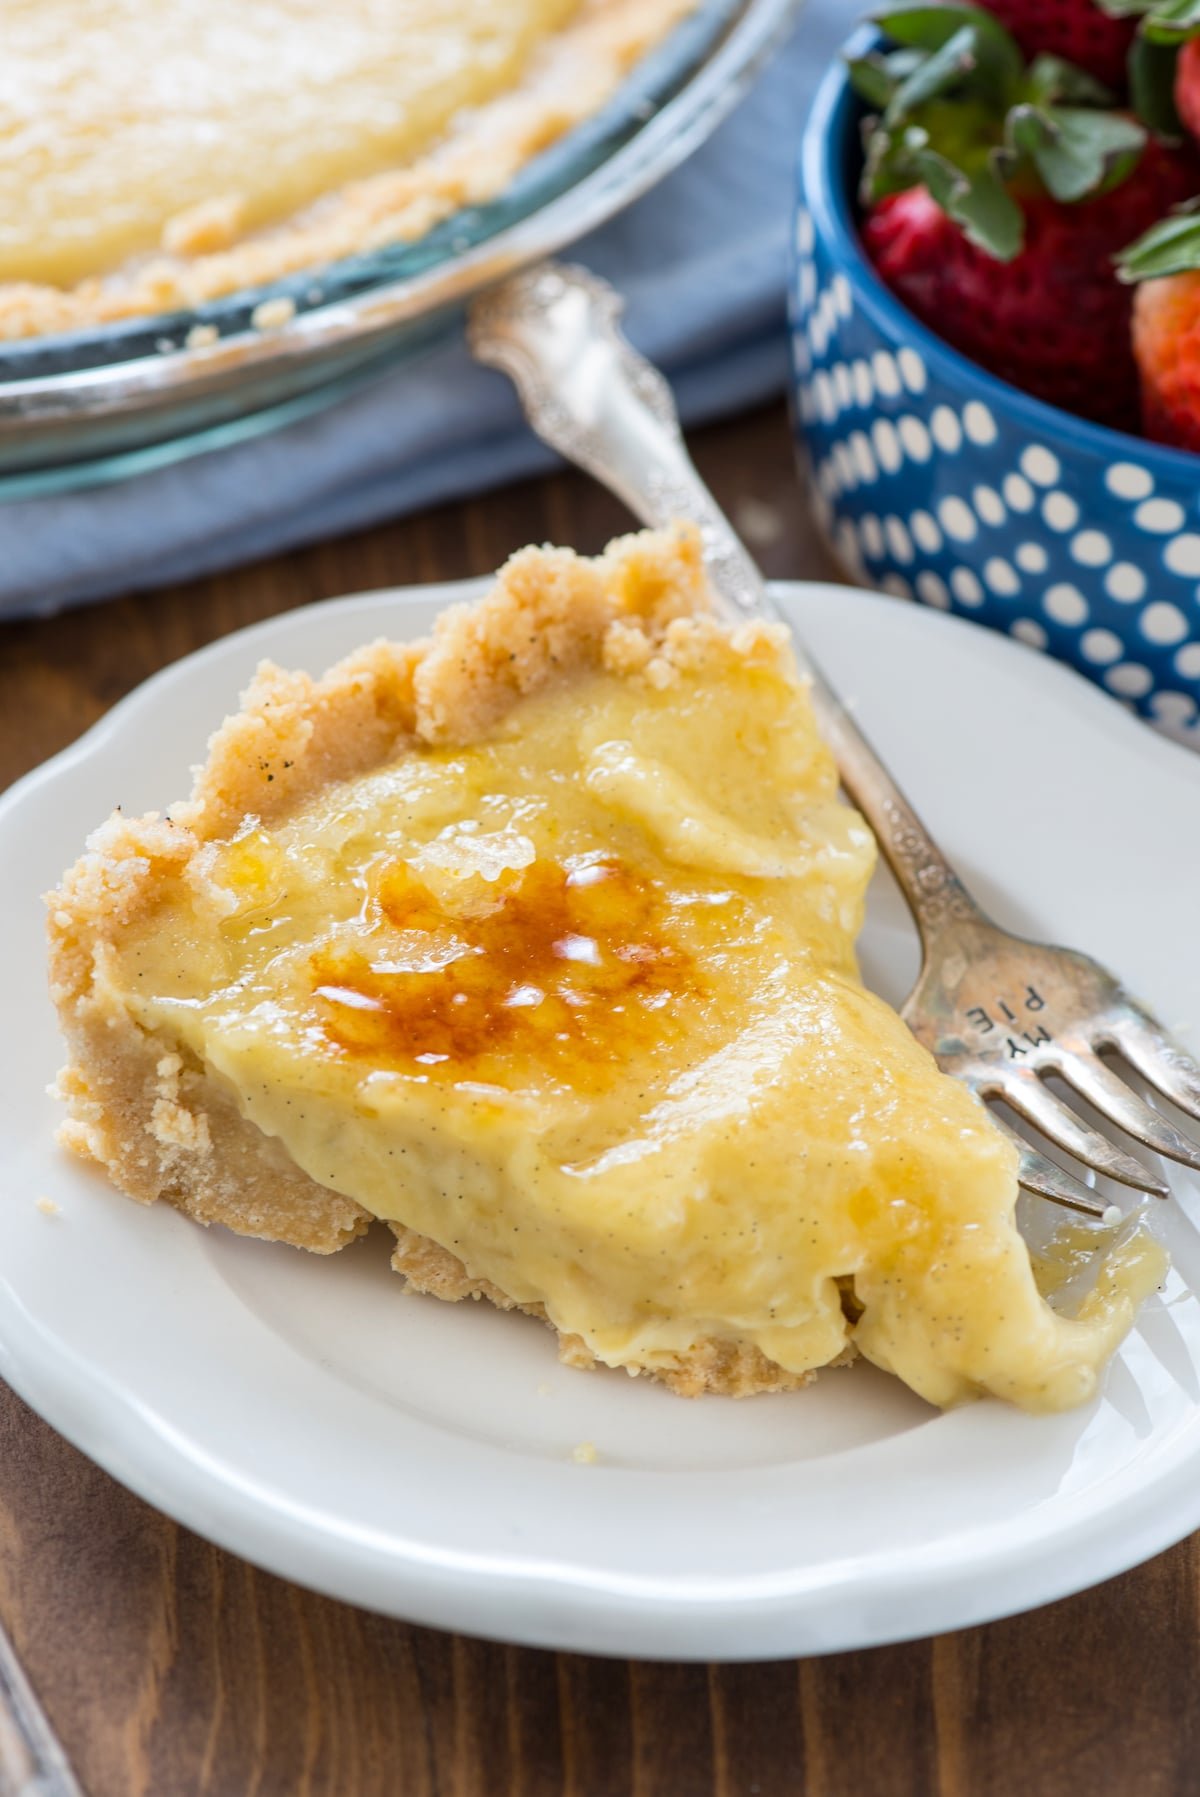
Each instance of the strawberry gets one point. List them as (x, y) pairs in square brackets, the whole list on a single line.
[(1187, 86), (1166, 342), (1076, 30), (1161, 70), (996, 195), (1053, 320), (1165, 265)]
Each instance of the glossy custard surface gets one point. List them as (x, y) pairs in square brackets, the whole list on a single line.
[(579, 1002)]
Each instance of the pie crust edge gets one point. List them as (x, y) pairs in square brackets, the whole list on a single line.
[(149, 1114)]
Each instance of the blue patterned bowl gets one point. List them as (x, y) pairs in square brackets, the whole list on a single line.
[(936, 481)]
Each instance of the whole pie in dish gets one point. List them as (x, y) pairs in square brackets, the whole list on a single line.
[(155, 154), (536, 941)]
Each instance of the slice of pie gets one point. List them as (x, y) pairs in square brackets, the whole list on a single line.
[(155, 154), (536, 940)]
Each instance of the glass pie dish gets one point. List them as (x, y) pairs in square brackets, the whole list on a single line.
[(102, 404)]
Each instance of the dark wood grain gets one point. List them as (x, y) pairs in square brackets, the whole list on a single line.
[(170, 1668)]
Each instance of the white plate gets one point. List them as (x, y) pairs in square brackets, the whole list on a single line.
[(416, 1457)]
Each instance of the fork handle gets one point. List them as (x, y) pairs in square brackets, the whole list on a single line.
[(32, 1760), (587, 393)]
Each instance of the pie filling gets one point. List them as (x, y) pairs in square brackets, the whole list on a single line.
[(576, 1001), (155, 156)]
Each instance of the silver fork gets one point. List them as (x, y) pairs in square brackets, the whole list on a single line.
[(32, 1760), (997, 1011)]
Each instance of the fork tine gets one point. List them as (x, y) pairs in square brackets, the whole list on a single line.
[(1158, 1058), (1108, 1092), (1040, 1176), (1038, 1105)]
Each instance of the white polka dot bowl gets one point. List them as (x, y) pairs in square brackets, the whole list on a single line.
[(936, 481)]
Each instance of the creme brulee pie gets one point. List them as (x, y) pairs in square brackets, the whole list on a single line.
[(536, 941), (153, 157)]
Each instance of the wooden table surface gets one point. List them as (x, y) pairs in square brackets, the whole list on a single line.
[(168, 1667)]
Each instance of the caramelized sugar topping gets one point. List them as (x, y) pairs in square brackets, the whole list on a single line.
[(570, 966)]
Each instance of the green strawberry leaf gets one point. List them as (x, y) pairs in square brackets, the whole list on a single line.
[(890, 164), (871, 79), (1152, 87), (876, 76), (1050, 78), (1076, 152), (928, 27), (938, 74), (961, 132), (1171, 247), (1176, 30), (976, 199), (1163, 21), (998, 61)]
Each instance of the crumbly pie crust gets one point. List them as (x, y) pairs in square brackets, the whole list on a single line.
[(644, 1051), (206, 252), (160, 1126)]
